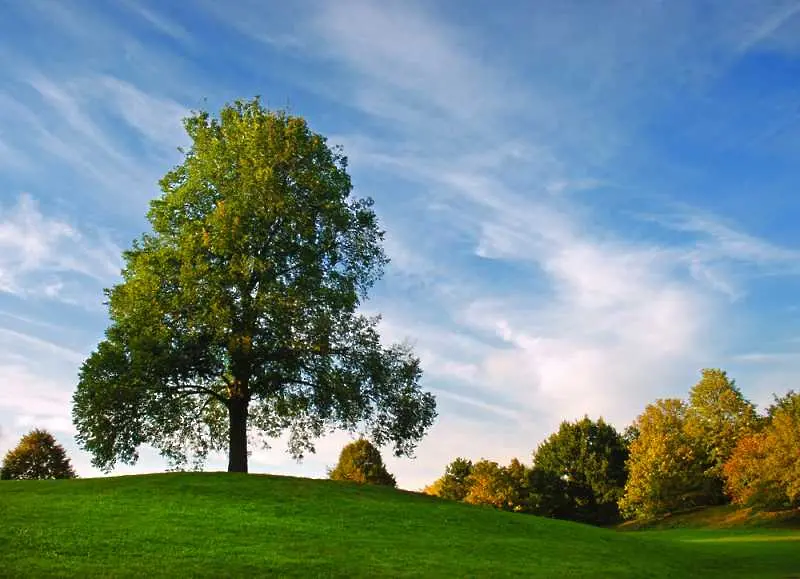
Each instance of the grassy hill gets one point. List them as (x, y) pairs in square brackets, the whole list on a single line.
[(722, 517), (215, 525)]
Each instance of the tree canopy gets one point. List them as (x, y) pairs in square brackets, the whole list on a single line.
[(764, 468), (361, 462), (718, 415), (239, 312), (663, 471), (453, 484), (491, 484), (579, 472), (37, 456), (678, 454)]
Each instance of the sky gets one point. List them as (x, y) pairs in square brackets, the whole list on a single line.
[(584, 203)]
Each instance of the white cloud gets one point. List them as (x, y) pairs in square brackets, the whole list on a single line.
[(158, 119), (40, 254), (73, 120), (14, 340), (767, 26), (158, 21), (526, 306), (596, 322), (33, 398)]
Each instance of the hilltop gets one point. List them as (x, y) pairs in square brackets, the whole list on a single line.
[(218, 524)]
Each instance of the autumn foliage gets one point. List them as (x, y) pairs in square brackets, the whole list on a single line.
[(37, 456), (664, 471), (764, 469), (709, 449)]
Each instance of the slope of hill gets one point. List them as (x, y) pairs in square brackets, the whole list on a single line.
[(721, 517), (216, 524)]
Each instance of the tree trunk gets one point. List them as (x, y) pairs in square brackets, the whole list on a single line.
[(237, 440)]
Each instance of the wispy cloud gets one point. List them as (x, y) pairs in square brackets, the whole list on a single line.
[(511, 165), (595, 322), (767, 26), (159, 21), (721, 241), (39, 254)]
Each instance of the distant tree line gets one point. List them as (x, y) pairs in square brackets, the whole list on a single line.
[(712, 449)]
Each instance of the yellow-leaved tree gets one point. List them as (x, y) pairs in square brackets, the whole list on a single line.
[(663, 471), (718, 417)]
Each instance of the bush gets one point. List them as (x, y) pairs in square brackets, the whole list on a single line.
[(37, 456), (361, 462)]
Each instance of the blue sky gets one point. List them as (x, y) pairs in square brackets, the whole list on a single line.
[(584, 204)]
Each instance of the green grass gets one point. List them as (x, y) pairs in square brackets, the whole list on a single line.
[(216, 524), (722, 517)]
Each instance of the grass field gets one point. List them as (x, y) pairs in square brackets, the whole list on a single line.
[(722, 517), (217, 525)]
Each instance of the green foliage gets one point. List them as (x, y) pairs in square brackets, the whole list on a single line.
[(677, 458), (453, 484), (664, 472), (269, 526), (579, 472), (519, 477), (238, 312), (789, 402), (718, 416), (490, 484), (361, 462), (484, 483), (37, 456)]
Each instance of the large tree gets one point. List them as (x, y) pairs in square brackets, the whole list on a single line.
[(665, 471), (37, 456), (239, 312), (579, 472), (717, 417)]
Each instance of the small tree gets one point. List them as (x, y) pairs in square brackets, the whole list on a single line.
[(361, 462), (484, 483), (453, 484), (790, 402), (37, 456)]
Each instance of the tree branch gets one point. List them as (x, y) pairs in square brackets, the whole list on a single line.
[(196, 389)]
